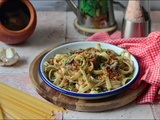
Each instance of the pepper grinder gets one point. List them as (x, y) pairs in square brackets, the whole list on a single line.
[(136, 21)]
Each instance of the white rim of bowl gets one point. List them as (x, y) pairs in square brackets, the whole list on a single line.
[(70, 93)]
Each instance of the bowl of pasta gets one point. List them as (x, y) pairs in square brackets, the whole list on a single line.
[(88, 70)]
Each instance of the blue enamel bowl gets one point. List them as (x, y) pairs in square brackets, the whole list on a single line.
[(83, 45)]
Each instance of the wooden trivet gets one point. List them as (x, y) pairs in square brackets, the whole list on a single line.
[(91, 31), (55, 97)]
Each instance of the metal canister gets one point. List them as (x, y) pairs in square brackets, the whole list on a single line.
[(94, 13)]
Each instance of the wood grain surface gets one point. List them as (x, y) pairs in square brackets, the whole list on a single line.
[(90, 31), (55, 97)]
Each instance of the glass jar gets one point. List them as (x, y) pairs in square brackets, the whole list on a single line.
[(138, 10), (136, 22)]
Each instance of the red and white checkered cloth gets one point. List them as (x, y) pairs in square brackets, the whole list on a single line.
[(147, 52)]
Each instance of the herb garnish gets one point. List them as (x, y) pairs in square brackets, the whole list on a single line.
[(66, 62), (79, 64), (87, 50), (120, 61), (102, 50), (89, 72), (101, 65), (130, 77), (103, 58), (70, 54), (83, 57), (53, 76), (72, 85)]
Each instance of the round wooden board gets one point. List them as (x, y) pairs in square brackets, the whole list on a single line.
[(91, 31), (66, 102)]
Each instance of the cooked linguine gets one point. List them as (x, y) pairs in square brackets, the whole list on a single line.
[(90, 70)]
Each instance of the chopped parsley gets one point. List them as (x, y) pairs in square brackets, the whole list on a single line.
[(87, 50), (70, 54), (72, 85), (99, 90), (103, 58), (94, 78), (83, 57), (64, 74), (102, 50), (53, 76), (79, 64), (120, 61), (89, 72), (101, 65), (130, 77), (66, 62)]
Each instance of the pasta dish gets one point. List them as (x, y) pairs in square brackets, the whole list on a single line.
[(90, 70)]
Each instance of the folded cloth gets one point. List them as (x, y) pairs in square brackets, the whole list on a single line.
[(147, 52)]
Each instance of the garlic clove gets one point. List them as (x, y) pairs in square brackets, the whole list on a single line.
[(2, 56), (10, 53), (8, 56)]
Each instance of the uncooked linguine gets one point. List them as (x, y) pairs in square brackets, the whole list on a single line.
[(90, 70)]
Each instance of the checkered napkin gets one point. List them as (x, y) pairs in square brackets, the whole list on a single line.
[(147, 52)]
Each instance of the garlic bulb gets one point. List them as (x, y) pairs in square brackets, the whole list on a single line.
[(8, 56)]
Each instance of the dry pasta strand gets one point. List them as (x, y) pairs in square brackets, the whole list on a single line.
[(25, 107), (9, 116), (19, 105), (1, 113), (28, 99), (14, 112)]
